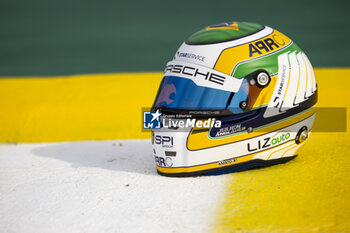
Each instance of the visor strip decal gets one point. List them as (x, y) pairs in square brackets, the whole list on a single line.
[(203, 76)]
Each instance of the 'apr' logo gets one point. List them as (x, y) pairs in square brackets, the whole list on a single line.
[(266, 45)]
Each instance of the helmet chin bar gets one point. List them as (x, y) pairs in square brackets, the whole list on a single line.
[(258, 141), (174, 156)]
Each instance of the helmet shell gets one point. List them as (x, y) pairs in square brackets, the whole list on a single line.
[(274, 112)]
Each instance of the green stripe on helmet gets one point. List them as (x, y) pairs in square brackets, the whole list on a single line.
[(267, 62)]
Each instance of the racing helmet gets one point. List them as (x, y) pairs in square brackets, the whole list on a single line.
[(236, 96)]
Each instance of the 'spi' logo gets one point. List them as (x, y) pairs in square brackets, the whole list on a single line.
[(151, 120)]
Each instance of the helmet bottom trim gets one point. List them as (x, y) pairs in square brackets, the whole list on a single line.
[(249, 165)]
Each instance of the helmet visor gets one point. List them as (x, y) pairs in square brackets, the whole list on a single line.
[(181, 93)]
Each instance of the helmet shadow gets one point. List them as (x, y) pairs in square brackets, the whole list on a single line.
[(133, 156)]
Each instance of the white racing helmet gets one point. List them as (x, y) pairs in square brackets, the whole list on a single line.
[(236, 96)]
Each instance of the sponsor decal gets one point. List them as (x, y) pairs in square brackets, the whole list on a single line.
[(280, 96), (163, 162), (170, 153), (262, 46), (190, 56), (227, 161), (283, 77), (195, 72), (202, 76), (276, 102), (267, 142), (230, 130), (165, 141)]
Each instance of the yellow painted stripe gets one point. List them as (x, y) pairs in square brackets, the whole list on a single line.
[(310, 193), (82, 107)]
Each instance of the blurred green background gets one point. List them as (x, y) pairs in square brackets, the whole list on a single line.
[(62, 37)]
